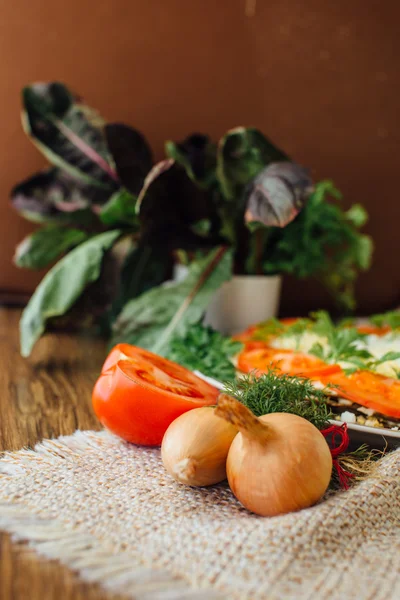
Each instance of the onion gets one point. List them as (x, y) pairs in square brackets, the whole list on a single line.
[(195, 447), (278, 463)]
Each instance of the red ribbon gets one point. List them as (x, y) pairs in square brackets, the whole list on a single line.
[(339, 444)]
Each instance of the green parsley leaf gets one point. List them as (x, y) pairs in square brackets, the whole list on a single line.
[(205, 350), (391, 318)]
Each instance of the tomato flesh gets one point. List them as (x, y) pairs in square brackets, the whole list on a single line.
[(371, 390), (261, 360), (139, 394)]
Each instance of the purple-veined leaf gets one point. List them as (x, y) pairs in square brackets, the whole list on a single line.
[(69, 133), (52, 196), (169, 206), (242, 153)]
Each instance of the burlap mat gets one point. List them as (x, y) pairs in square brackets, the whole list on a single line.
[(108, 510)]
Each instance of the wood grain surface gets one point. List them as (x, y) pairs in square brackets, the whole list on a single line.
[(45, 396)]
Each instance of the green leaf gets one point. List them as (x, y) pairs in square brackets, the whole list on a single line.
[(390, 318), (69, 133), (144, 267), (318, 350), (277, 194), (120, 210), (389, 356), (357, 215), (53, 197), (242, 154), (153, 319), (343, 342), (197, 155), (363, 250), (326, 188), (321, 242), (62, 286), (42, 247)]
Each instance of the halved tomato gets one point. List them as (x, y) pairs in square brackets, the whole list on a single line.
[(286, 361), (139, 394), (371, 390)]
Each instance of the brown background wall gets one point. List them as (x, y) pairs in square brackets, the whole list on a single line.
[(320, 78)]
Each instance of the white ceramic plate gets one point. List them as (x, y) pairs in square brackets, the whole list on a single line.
[(376, 437)]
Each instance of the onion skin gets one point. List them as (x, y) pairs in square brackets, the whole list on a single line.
[(195, 447), (278, 463)]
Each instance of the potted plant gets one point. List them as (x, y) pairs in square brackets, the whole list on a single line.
[(116, 223)]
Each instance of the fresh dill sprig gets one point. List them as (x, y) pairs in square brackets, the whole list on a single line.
[(270, 393)]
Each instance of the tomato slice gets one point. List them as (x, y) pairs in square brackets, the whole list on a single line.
[(286, 361), (289, 320), (371, 390), (248, 337), (373, 329), (139, 394)]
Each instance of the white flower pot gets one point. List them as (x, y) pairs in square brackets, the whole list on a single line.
[(240, 302), (243, 301)]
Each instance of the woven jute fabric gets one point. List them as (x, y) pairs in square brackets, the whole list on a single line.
[(108, 510)]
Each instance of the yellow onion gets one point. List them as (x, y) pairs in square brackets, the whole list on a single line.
[(278, 463), (195, 447)]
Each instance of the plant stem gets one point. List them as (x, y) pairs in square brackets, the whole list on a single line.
[(242, 418), (183, 307)]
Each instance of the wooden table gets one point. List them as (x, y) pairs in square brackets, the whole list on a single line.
[(43, 397)]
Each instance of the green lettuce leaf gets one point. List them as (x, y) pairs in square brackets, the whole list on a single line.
[(62, 286), (44, 246), (154, 318)]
